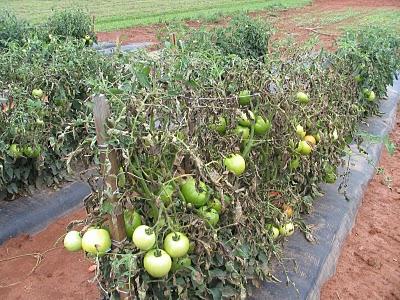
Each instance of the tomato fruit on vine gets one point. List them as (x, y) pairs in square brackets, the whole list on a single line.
[(157, 263), (261, 126), (144, 237), (37, 93), (273, 231), (244, 132), (210, 215), (294, 163), (216, 204), (304, 148), (198, 197), (287, 229), (235, 163), (300, 131), (15, 151), (73, 241), (244, 97), (28, 151), (302, 97), (132, 220), (176, 244), (96, 241), (220, 126), (310, 139)]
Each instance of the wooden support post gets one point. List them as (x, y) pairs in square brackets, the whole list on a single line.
[(173, 39), (101, 112)]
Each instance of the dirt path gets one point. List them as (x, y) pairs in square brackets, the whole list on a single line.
[(60, 275), (369, 266)]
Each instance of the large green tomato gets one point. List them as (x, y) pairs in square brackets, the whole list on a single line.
[(235, 163), (96, 241), (37, 93), (302, 97), (73, 241), (244, 132), (132, 220), (261, 126), (176, 244), (304, 148), (157, 263), (287, 229), (180, 263), (144, 237), (210, 215), (244, 97), (166, 193), (198, 197)]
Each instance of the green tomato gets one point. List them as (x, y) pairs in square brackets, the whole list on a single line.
[(220, 126), (28, 151), (358, 78), (176, 244), (73, 241), (287, 229), (304, 148), (96, 241), (235, 163), (132, 220), (273, 231), (198, 197), (181, 263), (216, 204), (300, 131), (371, 96), (302, 98), (39, 122), (157, 263), (166, 193), (15, 151), (144, 237), (36, 151), (37, 93), (210, 215), (244, 132), (244, 97), (244, 120), (261, 126)]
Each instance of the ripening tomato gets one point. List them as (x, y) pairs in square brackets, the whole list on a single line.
[(157, 263), (310, 139), (176, 244)]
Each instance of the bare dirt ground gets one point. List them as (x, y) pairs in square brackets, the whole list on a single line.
[(369, 267), (58, 274)]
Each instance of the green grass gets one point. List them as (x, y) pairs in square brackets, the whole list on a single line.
[(117, 14), (352, 18)]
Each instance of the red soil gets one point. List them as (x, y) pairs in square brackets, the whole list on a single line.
[(60, 274)]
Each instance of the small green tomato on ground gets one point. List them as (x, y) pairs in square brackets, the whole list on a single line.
[(302, 98), (235, 163), (73, 241), (37, 93), (287, 229), (144, 237), (157, 263), (176, 244)]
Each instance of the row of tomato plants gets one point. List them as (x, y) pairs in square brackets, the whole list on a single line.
[(219, 153)]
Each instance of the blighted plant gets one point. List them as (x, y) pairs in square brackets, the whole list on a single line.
[(226, 151)]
